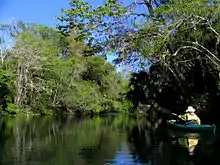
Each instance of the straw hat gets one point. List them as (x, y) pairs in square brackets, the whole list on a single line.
[(190, 109)]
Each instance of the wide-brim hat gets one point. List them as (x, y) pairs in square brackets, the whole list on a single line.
[(190, 109)]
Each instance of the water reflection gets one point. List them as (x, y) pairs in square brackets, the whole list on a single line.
[(115, 139), (189, 143)]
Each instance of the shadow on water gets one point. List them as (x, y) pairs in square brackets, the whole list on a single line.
[(115, 139)]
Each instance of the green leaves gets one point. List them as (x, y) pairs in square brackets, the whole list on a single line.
[(46, 72), (93, 26)]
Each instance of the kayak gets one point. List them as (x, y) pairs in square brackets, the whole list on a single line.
[(192, 127)]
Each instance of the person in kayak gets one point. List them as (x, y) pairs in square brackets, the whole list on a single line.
[(189, 117)]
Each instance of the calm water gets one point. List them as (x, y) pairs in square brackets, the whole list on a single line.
[(109, 140)]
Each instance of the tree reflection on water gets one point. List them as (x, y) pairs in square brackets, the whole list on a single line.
[(115, 139)]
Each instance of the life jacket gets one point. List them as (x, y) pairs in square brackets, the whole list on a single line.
[(191, 118)]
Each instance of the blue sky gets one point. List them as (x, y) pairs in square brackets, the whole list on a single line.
[(37, 11)]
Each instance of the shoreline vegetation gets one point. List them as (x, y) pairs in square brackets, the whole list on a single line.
[(165, 56)]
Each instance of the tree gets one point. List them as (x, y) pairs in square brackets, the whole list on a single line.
[(178, 39), (155, 38), (49, 74)]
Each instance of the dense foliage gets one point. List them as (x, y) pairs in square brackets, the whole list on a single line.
[(45, 72), (177, 40), (174, 44)]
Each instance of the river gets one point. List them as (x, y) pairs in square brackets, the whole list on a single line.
[(106, 140)]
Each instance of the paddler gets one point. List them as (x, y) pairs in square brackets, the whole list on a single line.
[(190, 117)]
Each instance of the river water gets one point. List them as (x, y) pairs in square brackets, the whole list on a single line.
[(106, 140)]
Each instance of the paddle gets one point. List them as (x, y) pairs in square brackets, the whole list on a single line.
[(174, 114), (168, 112)]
